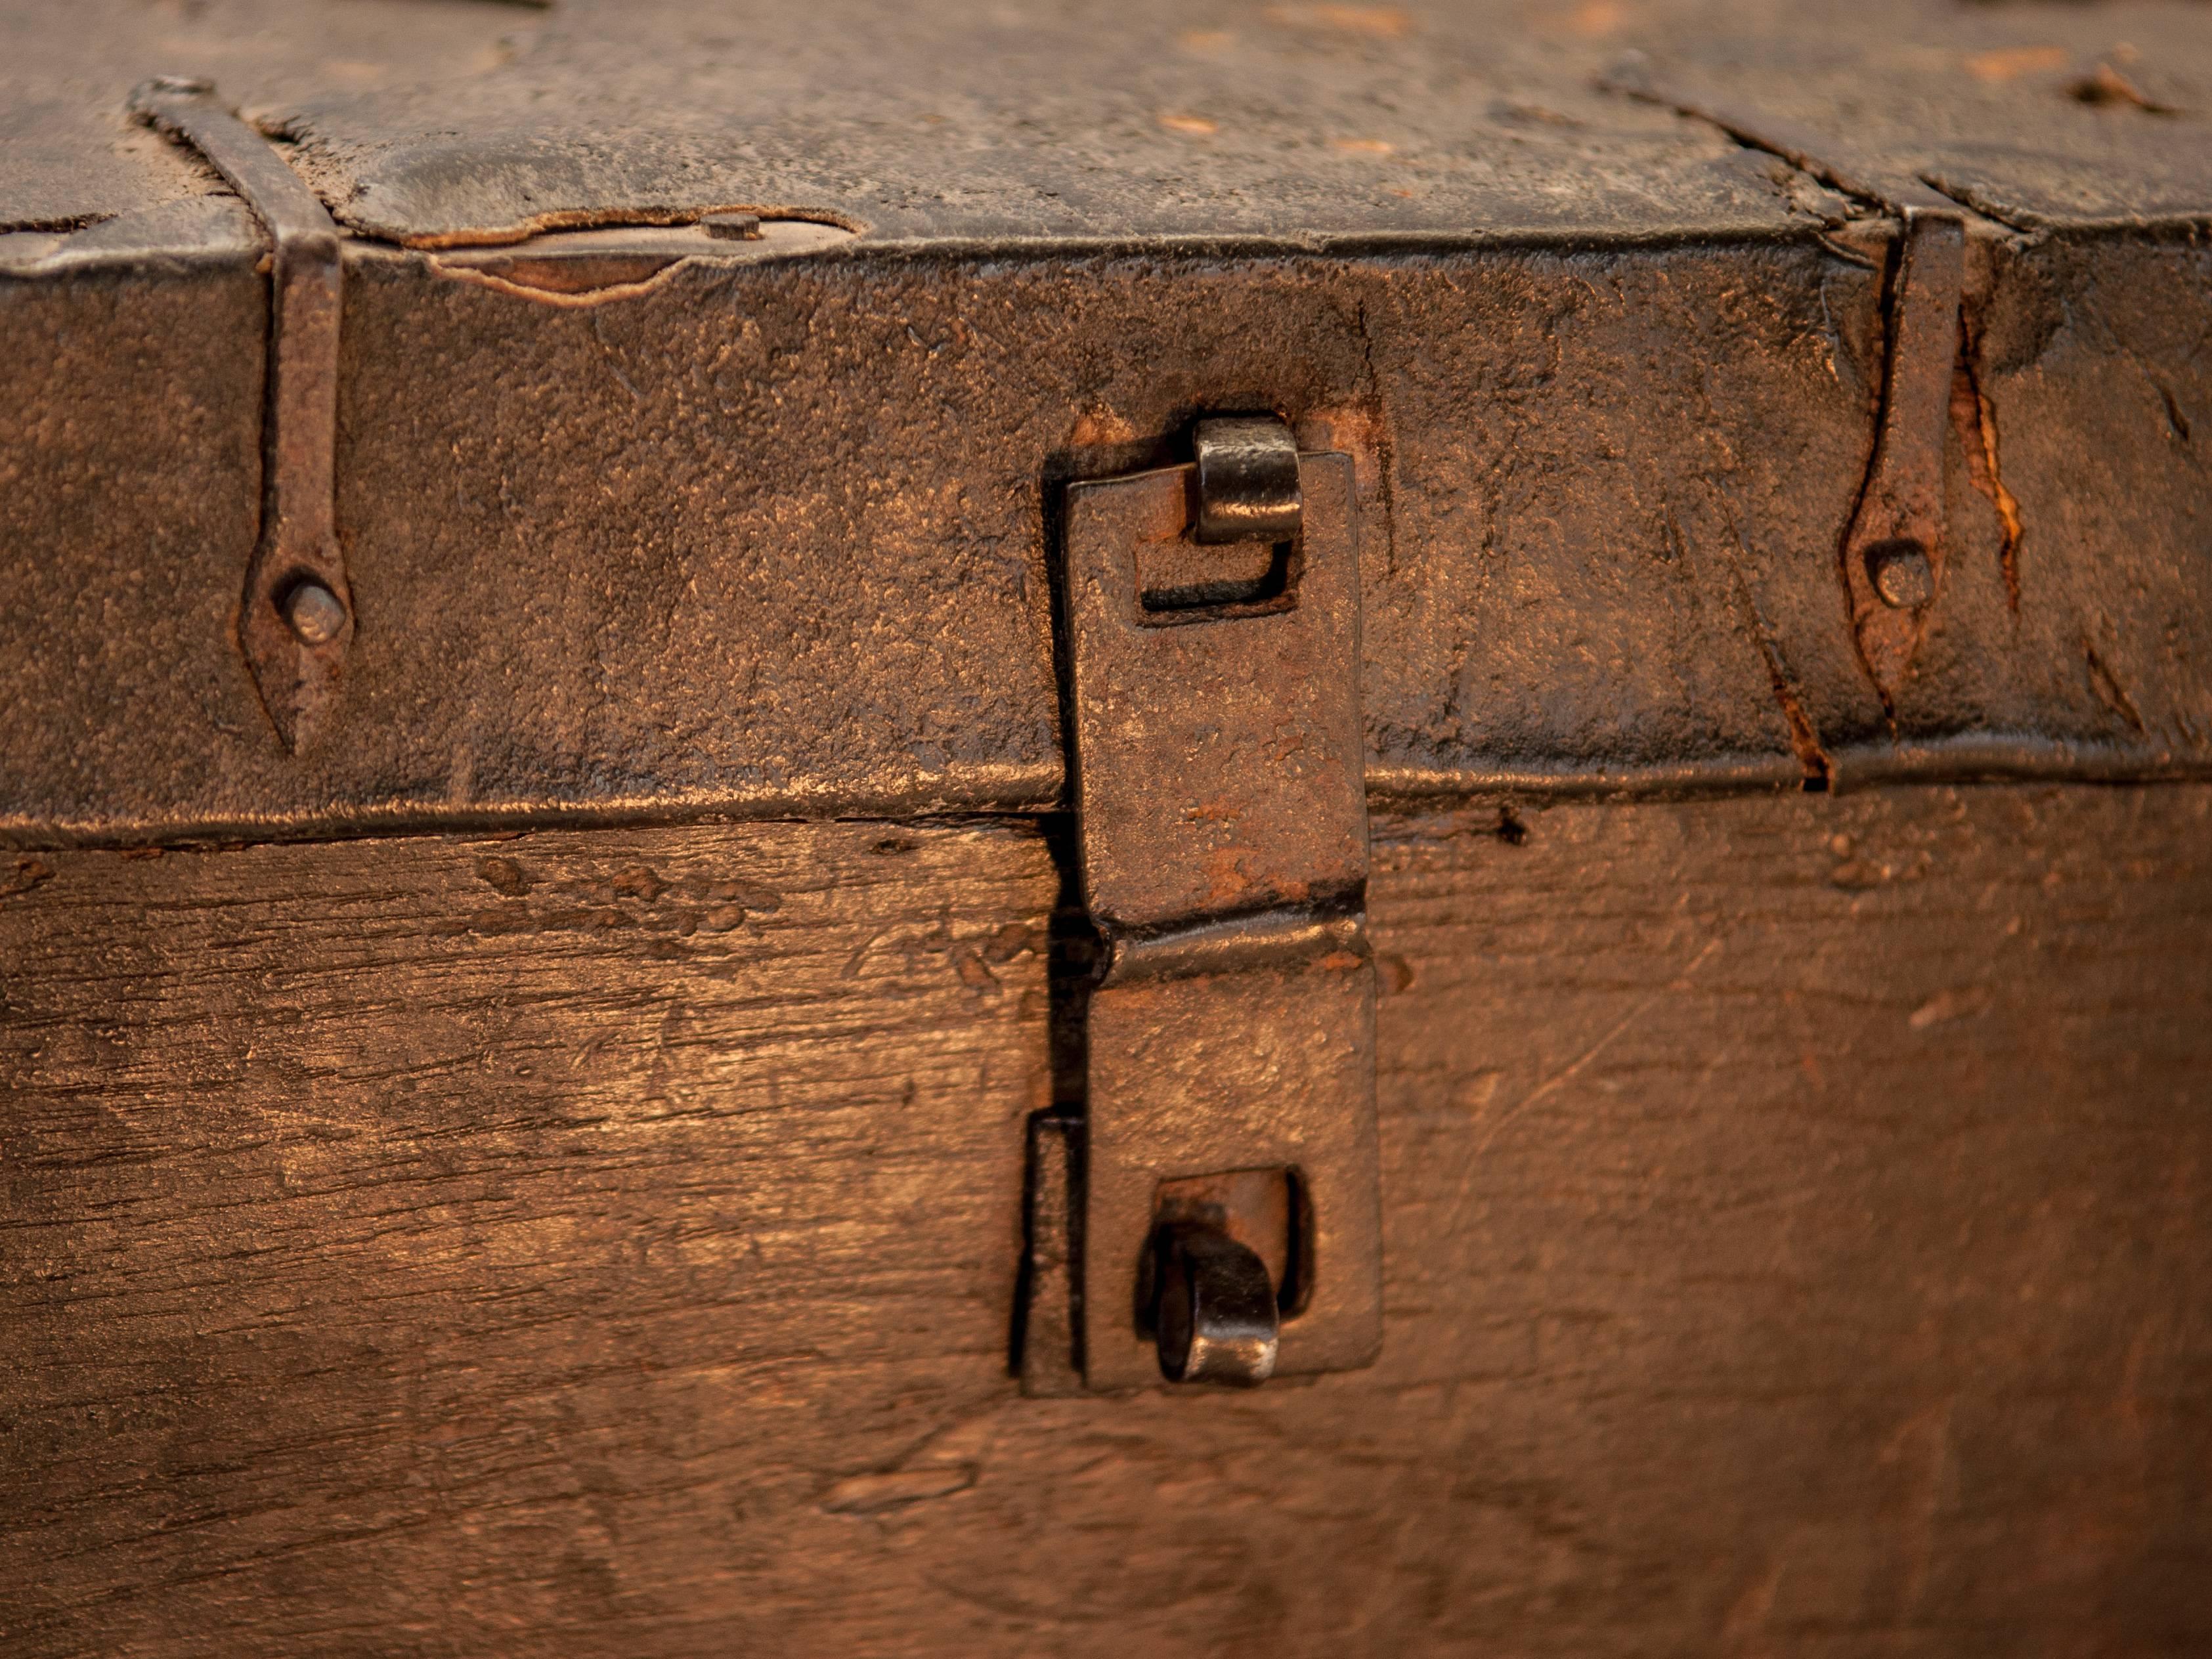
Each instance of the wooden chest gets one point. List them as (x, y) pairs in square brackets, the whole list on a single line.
[(751, 756)]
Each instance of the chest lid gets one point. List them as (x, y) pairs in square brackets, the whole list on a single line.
[(707, 383)]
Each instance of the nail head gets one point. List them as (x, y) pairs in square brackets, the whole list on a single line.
[(1901, 574), (314, 613), (732, 226)]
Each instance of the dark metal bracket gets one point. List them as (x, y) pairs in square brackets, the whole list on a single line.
[(1224, 1190), (295, 622), (1894, 550)]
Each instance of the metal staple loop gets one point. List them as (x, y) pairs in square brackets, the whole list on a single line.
[(297, 620), (1247, 480)]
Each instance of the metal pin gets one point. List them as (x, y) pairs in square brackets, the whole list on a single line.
[(732, 226), (1217, 1320), (314, 613), (1247, 480), (1901, 574)]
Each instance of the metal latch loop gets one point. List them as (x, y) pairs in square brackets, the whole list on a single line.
[(1247, 480), (1219, 783)]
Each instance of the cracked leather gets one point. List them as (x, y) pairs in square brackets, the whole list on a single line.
[(771, 531)]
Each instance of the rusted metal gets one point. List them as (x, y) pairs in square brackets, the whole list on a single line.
[(1216, 1319), (1893, 550), (1228, 1267), (1260, 1209), (1246, 480), (1610, 403), (732, 226), (1048, 1332), (296, 619), (1218, 750), (314, 613), (1222, 823), (1902, 575), (648, 528), (811, 576)]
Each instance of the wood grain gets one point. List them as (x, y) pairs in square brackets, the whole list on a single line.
[(438, 1246), (603, 1243)]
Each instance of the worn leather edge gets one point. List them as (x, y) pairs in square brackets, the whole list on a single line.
[(1850, 758)]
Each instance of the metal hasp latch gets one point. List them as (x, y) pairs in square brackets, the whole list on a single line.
[(1230, 1223), (295, 622)]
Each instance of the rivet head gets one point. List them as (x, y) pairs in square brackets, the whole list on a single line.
[(1901, 574), (732, 226), (313, 612)]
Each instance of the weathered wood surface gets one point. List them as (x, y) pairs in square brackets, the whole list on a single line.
[(1796, 1223), (965, 120), (409, 1244)]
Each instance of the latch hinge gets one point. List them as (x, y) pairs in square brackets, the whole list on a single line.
[(1211, 1213)]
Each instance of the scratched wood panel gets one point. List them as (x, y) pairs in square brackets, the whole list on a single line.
[(602, 1244), (446, 1246)]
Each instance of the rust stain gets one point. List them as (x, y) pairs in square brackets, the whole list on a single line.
[(1099, 426), (1196, 126), (1226, 882), (1804, 739), (1976, 420), (1594, 19), (545, 282), (1212, 811), (2010, 62), (1385, 23)]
